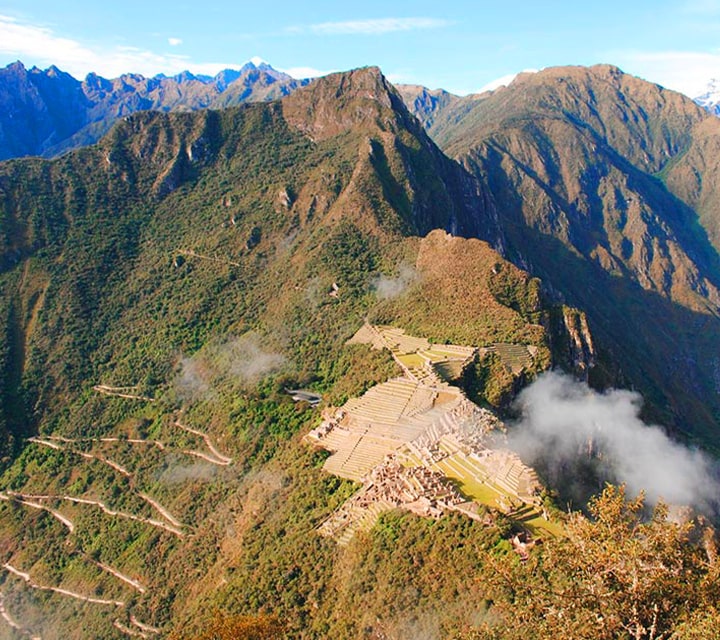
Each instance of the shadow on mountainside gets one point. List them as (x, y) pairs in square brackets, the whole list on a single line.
[(668, 352)]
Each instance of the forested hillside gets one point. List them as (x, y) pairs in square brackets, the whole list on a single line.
[(164, 290)]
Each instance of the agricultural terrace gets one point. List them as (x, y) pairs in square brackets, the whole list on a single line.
[(419, 443)]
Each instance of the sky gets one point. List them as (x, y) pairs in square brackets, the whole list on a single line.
[(458, 45)]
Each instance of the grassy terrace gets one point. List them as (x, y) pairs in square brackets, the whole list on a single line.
[(410, 360), (488, 494)]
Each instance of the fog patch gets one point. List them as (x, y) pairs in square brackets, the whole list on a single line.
[(198, 471), (387, 288), (268, 479), (239, 361), (193, 380), (286, 243), (418, 626), (564, 421), (246, 359), (315, 293)]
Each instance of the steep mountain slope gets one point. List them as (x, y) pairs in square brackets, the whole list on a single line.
[(425, 104), (161, 291), (48, 112), (39, 109), (602, 183)]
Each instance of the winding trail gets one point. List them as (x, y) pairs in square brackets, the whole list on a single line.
[(107, 510), (220, 458), (145, 627), (155, 443), (203, 456), (47, 443), (5, 615), (84, 454), (65, 592), (128, 631), (119, 468), (213, 459), (120, 576), (161, 510), (121, 392), (13, 497)]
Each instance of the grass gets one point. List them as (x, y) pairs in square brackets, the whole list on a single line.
[(411, 360), (471, 486), (489, 495), (538, 524)]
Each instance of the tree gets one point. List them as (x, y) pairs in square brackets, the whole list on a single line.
[(615, 575), (243, 627)]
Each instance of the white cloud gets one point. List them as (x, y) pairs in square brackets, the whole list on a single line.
[(685, 71), (39, 45), (24, 40), (377, 26), (399, 77), (174, 42), (564, 422)]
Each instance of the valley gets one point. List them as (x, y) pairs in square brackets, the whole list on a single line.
[(261, 363)]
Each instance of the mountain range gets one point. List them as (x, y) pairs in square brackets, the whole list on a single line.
[(164, 288), (48, 112), (710, 98)]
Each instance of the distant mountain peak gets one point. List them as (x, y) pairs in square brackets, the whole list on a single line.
[(710, 98), (258, 64), (60, 112)]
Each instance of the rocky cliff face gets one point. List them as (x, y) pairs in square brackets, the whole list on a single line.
[(426, 104), (427, 189)]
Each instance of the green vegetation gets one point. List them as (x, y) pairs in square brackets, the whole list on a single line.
[(205, 285), (605, 189), (208, 262), (613, 575)]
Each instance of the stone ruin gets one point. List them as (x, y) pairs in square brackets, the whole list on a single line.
[(393, 485), (403, 437)]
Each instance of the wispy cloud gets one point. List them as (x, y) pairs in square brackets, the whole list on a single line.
[(238, 361), (374, 27), (40, 45), (684, 71), (387, 287), (174, 42), (30, 40), (565, 425)]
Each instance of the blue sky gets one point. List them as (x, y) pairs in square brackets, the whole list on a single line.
[(458, 45)]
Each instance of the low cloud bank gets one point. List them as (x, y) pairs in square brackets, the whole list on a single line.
[(564, 421), (179, 473)]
